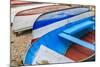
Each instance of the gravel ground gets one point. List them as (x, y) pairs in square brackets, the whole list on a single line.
[(19, 45)]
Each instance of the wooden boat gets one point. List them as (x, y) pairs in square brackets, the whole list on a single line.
[(24, 6), (70, 39), (25, 19)]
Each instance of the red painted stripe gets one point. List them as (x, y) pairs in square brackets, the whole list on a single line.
[(42, 9), (14, 2), (33, 40)]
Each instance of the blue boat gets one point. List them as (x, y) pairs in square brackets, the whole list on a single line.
[(59, 30)]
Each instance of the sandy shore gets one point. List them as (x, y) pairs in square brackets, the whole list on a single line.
[(19, 45)]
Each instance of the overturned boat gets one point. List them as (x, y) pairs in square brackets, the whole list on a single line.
[(62, 36), (24, 19), (19, 6)]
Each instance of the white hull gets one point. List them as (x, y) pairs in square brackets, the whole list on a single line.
[(22, 23)]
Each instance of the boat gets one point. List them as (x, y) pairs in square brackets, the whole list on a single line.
[(24, 20), (21, 6), (62, 37)]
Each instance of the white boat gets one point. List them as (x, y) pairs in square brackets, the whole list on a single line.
[(25, 6), (25, 19)]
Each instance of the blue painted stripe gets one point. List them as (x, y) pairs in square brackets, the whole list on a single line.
[(50, 18), (41, 23)]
